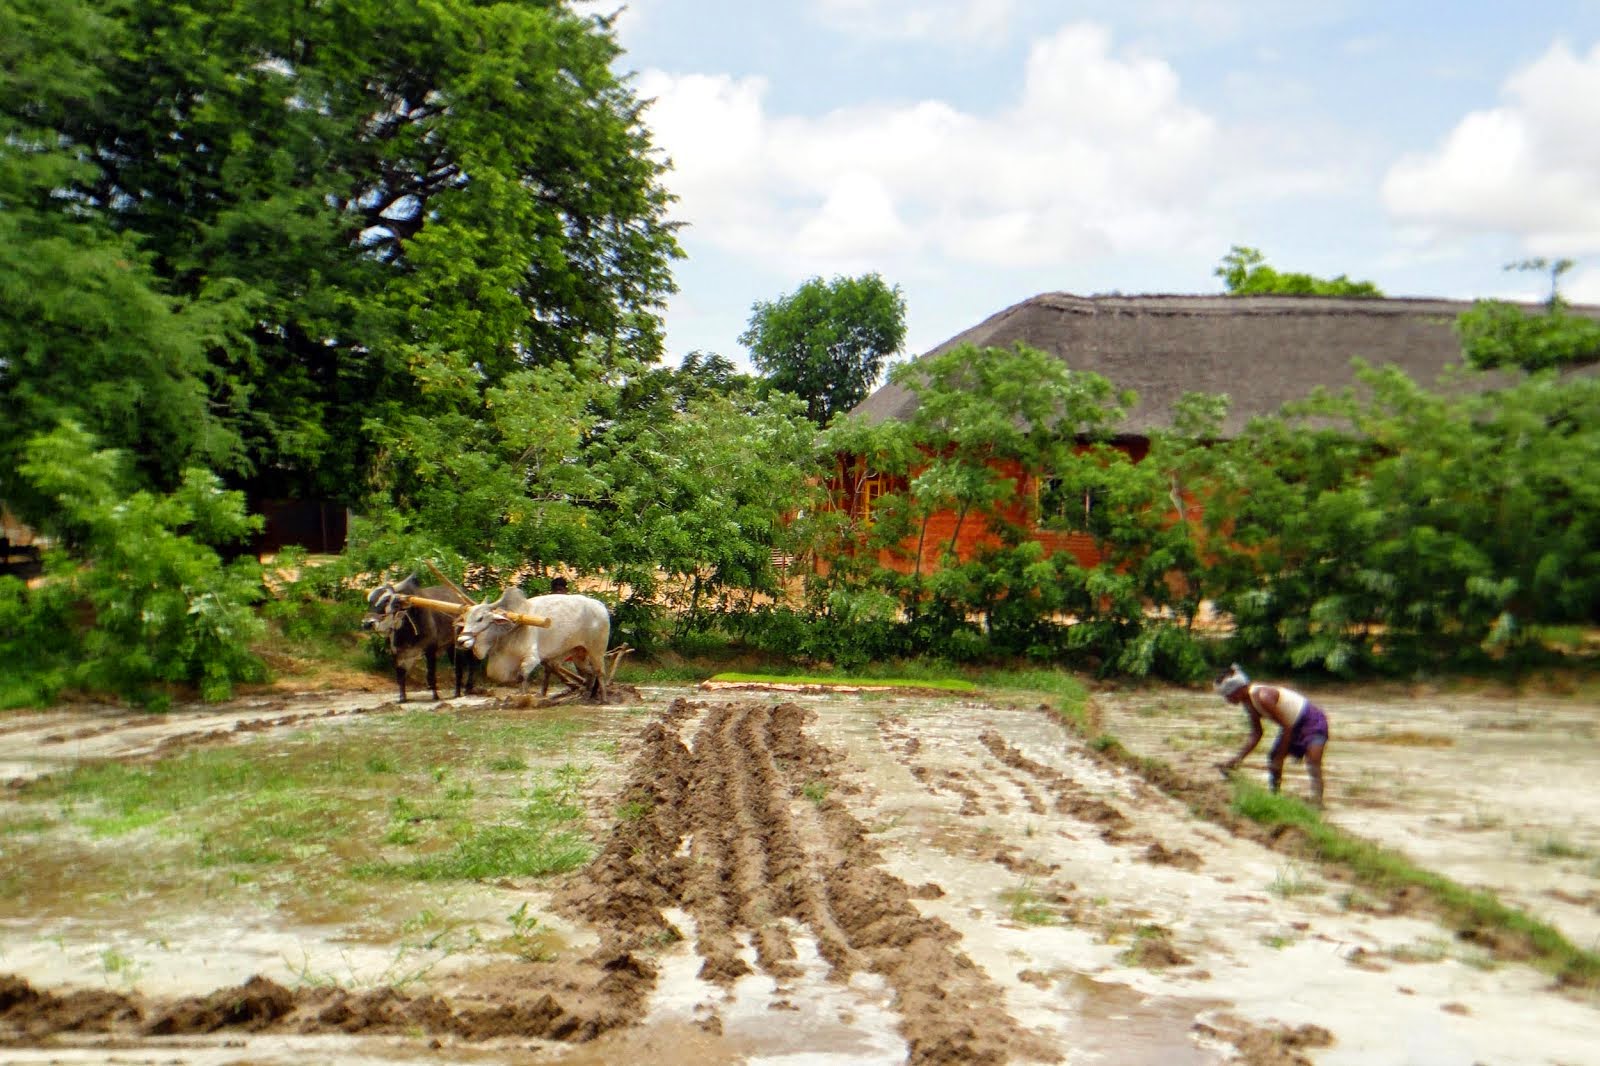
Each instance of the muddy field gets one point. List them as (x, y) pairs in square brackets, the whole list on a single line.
[(837, 878)]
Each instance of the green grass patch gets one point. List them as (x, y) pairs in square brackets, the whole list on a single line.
[(633, 810), (1063, 691), (24, 825), (551, 804), (314, 814), (1057, 683), (1292, 881), (493, 851), (660, 673), (1379, 867)]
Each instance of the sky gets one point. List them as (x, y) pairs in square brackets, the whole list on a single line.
[(976, 153)]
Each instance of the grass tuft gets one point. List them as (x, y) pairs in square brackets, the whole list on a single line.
[(1027, 907)]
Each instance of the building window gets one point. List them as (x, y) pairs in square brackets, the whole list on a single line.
[(872, 489)]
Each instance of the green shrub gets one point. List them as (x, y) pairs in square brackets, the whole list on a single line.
[(152, 602), (37, 642)]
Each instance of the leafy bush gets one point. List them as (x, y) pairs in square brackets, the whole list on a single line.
[(152, 603), (37, 644), (312, 602)]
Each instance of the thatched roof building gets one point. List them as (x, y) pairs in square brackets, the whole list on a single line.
[(1260, 351)]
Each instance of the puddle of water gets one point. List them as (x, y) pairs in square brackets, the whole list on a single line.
[(808, 1020), (1114, 1024)]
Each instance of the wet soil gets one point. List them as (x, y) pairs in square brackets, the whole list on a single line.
[(822, 878), (1494, 792)]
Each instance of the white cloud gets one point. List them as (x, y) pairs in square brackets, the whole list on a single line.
[(1529, 168), (856, 222), (1098, 153), (966, 21), (1582, 286)]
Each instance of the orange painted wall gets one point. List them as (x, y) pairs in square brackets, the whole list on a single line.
[(975, 534)]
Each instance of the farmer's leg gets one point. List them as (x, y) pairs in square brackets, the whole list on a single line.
[(1280, 752), (1314, 768)]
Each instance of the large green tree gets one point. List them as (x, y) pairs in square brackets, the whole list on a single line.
[(303, 215), (89, 329), (827, 341)]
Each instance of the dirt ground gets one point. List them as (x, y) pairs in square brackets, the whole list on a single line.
[(864, 878)]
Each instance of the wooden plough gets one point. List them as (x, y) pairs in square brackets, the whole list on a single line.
[(614, 659)]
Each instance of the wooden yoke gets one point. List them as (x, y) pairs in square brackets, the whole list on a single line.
[(525, 619), (442, 606)]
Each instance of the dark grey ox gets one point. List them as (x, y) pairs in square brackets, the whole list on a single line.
[(417, 632), (511, 652)]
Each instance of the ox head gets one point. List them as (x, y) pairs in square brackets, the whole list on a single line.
[(383, 606), (379, 618), (481, 627)]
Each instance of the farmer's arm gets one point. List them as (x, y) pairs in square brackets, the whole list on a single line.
[(1250, 744)]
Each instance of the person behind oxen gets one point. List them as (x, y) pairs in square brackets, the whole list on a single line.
[(1302, 727)]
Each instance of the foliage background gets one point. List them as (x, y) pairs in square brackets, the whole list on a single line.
[(412, 260)]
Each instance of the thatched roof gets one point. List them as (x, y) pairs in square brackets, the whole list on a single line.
[(1260, 351)]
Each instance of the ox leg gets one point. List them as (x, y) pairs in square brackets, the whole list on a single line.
[(529, 665), (599, 664), (400, 679), (463, 661), (432, 655)]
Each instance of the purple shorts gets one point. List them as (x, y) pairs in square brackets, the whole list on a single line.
[(1310, 728)]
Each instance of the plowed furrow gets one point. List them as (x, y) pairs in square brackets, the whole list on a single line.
[(1070, 797)]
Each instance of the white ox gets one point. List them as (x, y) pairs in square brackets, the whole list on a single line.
[(512, 652)]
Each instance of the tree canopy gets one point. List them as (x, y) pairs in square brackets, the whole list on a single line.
[(1245, 273), (1496, 333), (828, 340), (249, 229)]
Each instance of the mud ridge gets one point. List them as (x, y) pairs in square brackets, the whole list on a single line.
[(569, 1003)]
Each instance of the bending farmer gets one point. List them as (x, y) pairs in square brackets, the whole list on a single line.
[(1302, 727)]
